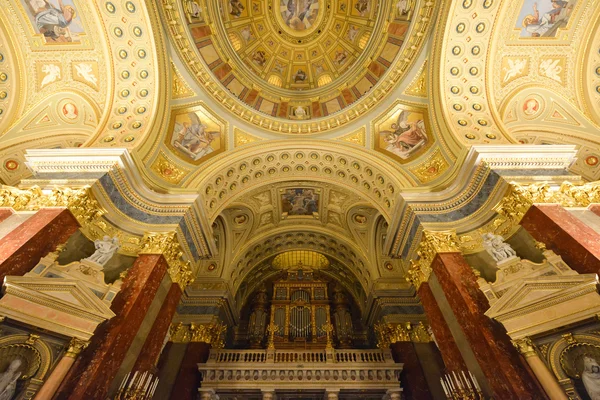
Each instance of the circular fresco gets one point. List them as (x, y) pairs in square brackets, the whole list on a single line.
[(303, 59)]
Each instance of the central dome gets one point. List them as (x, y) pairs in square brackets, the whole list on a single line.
[(299, 44)]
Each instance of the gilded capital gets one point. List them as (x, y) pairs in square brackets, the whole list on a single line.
[(76, 346), (388, 333), (525, 346), (212, 333), (167, 244), (431, 244)]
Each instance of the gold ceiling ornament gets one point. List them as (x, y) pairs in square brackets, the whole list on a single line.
[(180, 88), (167, 169), (389, 333), (241, 138), (358, 137), (211, 333), (431, 244), (525, 346), (418, 87), (431, 168), (167, 244)]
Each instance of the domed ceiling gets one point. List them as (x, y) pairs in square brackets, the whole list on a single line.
[(299, 59)]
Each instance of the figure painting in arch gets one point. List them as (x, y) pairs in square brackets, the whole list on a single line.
[(300, 202), (299, 76), (299, 15), (543, 18), (9, 378), (405, 136), (195, 138), (57, 20), (236, 8)]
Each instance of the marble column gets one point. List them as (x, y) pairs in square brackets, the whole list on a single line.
[(5, 212), (453, 360), (94, 371), (500, 362), (153, 345), (22, 248), (595, 208), (59, 372), (541, 371), (412, 379), (188, 377), (563, 233)]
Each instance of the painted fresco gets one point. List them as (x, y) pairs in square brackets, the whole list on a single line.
[(300, 202), (543, 18), (402, 134), (58, 20), (196, 135), (299, 15)]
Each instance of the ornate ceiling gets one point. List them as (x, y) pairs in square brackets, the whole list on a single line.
[(337, 104)]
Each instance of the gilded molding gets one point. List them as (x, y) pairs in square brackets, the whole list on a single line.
[(388, 334), (167, 244), (212, 333), (525, 346), (76, 346)]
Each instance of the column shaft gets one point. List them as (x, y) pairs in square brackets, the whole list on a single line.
[(567, 236), (188, 379), (595, 208), (5, 212), (443, 336), (154, 342), (495, 354), (55, 379), (22, 248), (412, 379), (546, 378), (96, 368)]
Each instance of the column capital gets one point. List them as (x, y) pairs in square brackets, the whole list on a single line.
[(211, 333), (388, 333), (432, 243), (167, 244), (76, 346), (525, 346)]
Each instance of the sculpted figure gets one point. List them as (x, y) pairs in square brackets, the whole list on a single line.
[(590, 377), (105, 249), (497, 248), (8, 380)]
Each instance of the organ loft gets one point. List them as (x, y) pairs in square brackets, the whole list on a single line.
[(299, 199)]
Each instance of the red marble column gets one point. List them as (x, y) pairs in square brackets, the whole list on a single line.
[(412, 379), (5, 212), (188, 379), (98, 365), (500, 362), (566, 235), (148, 357), (443, 336), (595, 208), (22, 248)]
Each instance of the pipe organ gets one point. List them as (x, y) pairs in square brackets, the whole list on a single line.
[(300, 310)]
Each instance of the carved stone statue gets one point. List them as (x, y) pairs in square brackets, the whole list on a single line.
[(105, 249), (591, 377), (497, 248), (8, 380)]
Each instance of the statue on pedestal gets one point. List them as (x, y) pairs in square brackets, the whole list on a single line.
[(105, 249), (8, 380), (591, 377), (497, 248)]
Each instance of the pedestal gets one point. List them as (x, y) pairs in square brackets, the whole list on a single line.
[(22, 248), (567, 236), (443, 336), (94, 371), (154, 342), (499, 361)]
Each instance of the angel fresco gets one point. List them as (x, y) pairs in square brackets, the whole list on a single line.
[(299, 14), (193, 138), (542, 18), (57, 20), (406, 137)]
